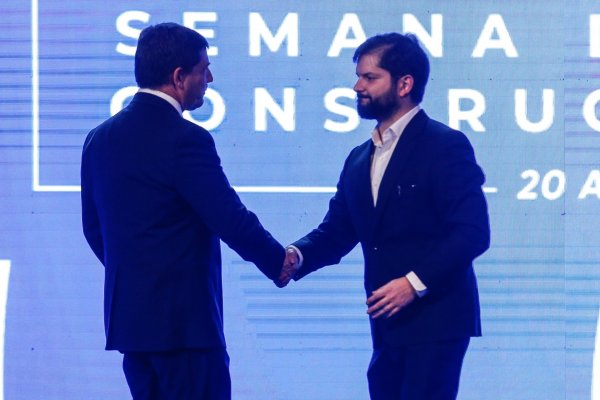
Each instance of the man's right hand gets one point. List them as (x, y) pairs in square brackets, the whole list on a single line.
[(291, 265)]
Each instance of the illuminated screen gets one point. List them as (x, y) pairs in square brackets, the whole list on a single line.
[(520, 78)]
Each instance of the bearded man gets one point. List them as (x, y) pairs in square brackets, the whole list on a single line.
[(412, 197)]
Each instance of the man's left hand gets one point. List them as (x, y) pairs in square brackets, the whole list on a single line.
[(391, 298)]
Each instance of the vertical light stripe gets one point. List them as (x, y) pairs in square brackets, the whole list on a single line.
[(4, 278), (596, 365), (35, 94)]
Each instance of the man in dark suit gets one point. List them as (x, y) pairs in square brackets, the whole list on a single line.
[(155, 203), (412, 197)]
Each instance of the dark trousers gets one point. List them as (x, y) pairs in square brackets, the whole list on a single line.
[(420, 372), (178, 375)]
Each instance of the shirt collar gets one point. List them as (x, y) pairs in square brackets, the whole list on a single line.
[(163, 96), (395, 130)]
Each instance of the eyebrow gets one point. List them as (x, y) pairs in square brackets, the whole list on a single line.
[(368, 73)]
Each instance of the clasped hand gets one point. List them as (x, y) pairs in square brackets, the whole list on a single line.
[(291, 264)]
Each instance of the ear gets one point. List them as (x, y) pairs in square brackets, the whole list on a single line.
[(405, 85), (177, 78)]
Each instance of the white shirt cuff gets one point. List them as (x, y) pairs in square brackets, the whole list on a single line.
[(417, 284), (300, 257)]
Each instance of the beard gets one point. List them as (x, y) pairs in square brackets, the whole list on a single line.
[(378, 108)]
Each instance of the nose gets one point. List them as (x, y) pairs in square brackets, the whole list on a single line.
[(358, 87), (209, 77)]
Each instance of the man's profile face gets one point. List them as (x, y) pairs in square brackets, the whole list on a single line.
[(196, 82), (376, 91)]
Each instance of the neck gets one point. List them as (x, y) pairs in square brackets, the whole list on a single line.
[(383, 125), (170, 90)]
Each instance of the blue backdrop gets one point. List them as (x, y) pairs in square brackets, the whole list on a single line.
[(521, 79)]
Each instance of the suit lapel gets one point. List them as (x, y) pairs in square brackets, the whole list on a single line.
[(389, 182), (363, 182), (357, 188)]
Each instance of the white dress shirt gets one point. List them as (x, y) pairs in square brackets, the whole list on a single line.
[(385, 143)]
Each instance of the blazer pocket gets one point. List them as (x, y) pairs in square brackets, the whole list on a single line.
[(406, 192)]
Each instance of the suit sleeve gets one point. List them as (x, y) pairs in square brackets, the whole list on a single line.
[(201, 181), (333, 238), (89, 213), (459, 200)]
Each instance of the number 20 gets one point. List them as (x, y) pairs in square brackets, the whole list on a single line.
[(552, 186)]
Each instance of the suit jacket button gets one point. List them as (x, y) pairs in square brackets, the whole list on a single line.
[(375, 248)]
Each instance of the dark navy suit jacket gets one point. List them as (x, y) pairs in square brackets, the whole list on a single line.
[(155, 203), (431, 218)]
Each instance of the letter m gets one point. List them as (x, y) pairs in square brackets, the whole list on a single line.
[(259, 32)]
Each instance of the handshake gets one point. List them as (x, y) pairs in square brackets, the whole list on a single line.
[(291, 265)]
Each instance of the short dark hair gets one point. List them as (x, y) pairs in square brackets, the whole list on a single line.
[(399, 55), (164, 47)]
